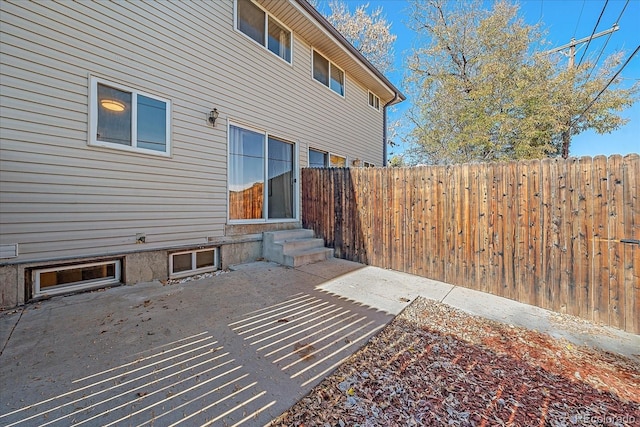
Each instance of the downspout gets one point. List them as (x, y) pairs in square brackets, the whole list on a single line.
[(384, 129)]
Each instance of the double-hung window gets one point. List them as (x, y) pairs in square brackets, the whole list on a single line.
[(263, 28), (262, 176), (374, 101), (327, 73), (127, 119)]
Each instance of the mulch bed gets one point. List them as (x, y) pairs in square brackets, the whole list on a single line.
[(436, 365)]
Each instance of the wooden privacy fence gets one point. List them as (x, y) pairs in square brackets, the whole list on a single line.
[(550, 233)]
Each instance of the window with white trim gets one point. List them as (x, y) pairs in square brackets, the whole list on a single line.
[(192, 262), (264, 29), (64, 279), (318, 159), (368, 165), (374, 101), (327, 73), (336, 161), (127, 119)]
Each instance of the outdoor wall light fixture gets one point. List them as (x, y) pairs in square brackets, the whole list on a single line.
[(112, 105), (213, 115)]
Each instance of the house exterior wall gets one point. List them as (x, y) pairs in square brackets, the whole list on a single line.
[(61, 197)]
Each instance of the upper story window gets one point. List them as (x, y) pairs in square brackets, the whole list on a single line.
[(129, 120), (258, 25), (374, 101), (327, 73)]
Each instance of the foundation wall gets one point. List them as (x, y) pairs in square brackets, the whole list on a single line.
[(16, 286)]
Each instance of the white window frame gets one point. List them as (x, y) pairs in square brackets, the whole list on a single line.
[(326, 153), (368, 165), (331, 65), (296, 176), (76, 286), (346, 160), (376, 101), (93, 118), (265, 46), (194, 270)]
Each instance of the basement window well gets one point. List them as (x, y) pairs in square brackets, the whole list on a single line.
[(58, 280), (192, 262)]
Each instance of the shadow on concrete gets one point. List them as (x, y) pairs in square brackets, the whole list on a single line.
[(235, 349)]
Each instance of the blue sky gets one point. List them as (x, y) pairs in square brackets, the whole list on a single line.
[(562, 19)]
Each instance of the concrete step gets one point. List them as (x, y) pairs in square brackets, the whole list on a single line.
[(294, 247), (285, 235), (289, 246), (307, 256)]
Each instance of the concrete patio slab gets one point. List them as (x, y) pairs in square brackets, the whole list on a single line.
[(235, 349), (386, 290)]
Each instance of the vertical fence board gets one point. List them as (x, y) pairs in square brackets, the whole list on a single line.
[(472, 221), (367, 197), (419, 216), (542, 232), (353, 231), (535, 232), (631, 179), (573, 254), (495, 283), (584, 218), (616, 252), (402, 233), (545, 224), (502, 230), (450, 221), (395, 190), (416, 217), (484, 180), (432, 223), (521, 259), (387, 216), (437, 227), (382, 211), (564, 233), (553, 245), (601, 241)]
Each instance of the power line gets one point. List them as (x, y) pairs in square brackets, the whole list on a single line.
[(605, 43), (623, 9), (606, 86), (579, 16), (594, 31)]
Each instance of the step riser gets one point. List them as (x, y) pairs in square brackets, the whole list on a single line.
[(298, 260), (284, 235), (302, 244)]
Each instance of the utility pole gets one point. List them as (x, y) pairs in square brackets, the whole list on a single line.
[(566, 135), (573, 43)]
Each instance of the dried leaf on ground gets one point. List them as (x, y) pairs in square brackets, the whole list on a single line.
[(436, 365)]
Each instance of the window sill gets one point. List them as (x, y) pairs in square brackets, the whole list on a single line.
[(128, 149)]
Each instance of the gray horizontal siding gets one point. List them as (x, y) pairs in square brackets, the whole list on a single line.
[(61, 197)]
